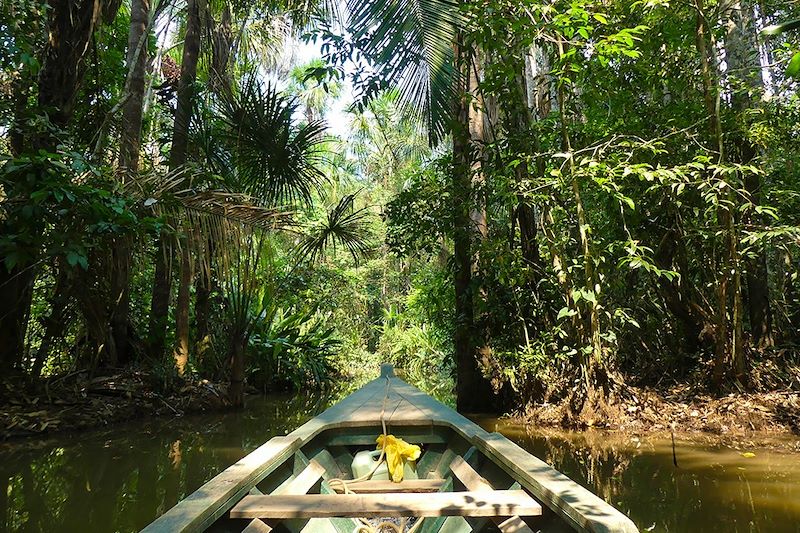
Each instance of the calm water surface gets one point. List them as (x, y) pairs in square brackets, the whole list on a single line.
[(122, 478)]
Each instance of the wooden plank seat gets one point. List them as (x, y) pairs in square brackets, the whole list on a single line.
[(380, 486), (476, 504), (474, 482)]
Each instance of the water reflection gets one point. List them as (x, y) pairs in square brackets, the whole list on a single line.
[(714, 488), (122, 478)]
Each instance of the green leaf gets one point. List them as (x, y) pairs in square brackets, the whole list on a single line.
[(599, 17), (11, 260), (74, 259), (565, 312), (793, 70), (775, 29)]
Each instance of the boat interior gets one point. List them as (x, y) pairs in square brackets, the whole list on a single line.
[(452, 488)]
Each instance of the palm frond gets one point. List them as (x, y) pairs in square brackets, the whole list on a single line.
[(411, 43), (238, 208), (342, 225), (275, 160)]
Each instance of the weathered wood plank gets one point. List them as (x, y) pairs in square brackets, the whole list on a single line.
[(468, 476), (379, 486), (434, 524), (300, 484), (304, 481), (257, 526), (327, 460), (494, 503), (339, 524), (474, 482)]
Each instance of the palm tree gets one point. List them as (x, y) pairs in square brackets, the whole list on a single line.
[(315, 94), (274, 161), (341, 225), (411, 42)]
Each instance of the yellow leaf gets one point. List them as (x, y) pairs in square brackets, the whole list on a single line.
[(748, 454)]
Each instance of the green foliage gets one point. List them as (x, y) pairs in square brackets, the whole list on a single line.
[(420, 216), (291, 347), (274, 159), (341, 225), (59, 206)]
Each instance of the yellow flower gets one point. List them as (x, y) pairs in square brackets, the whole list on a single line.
[(397, 452)]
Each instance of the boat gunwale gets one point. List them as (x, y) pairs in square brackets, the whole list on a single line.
[(584, 512)]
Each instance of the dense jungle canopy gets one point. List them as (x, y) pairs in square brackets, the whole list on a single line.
[(523, 201)]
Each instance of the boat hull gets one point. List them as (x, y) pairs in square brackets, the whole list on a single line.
[(331, 439)]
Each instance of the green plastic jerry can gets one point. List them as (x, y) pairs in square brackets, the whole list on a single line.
[(364, 462)]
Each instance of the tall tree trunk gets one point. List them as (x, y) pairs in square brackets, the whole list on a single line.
[(130, 141), (70, 27), (520, 121), (725, 345), (592, 364), (744, 71), (473, 391), (159, 302), (159, 306)]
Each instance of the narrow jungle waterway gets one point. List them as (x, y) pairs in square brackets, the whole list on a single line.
[(121, 478)]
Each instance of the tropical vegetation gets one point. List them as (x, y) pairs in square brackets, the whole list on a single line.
[(525, 201)]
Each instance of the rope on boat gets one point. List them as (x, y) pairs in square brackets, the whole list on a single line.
[(366, 526)]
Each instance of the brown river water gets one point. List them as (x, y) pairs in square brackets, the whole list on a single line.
[(121, 478)]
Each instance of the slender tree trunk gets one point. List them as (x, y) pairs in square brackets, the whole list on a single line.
[(520, 122), (591, 364), (183, 112), (181, 354), (724, 348), (130, 141), (159, 303), (744, 71), (159, 307)]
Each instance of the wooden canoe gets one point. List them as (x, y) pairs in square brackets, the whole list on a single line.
[(470, 479)]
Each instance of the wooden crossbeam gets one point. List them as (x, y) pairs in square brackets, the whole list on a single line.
[(494, 503), (378, 486), (475, 482)]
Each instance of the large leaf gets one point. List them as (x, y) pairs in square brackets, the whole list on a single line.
[(411, 43), (793, 70), (274, 159), (776, 29), (343, 226)]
